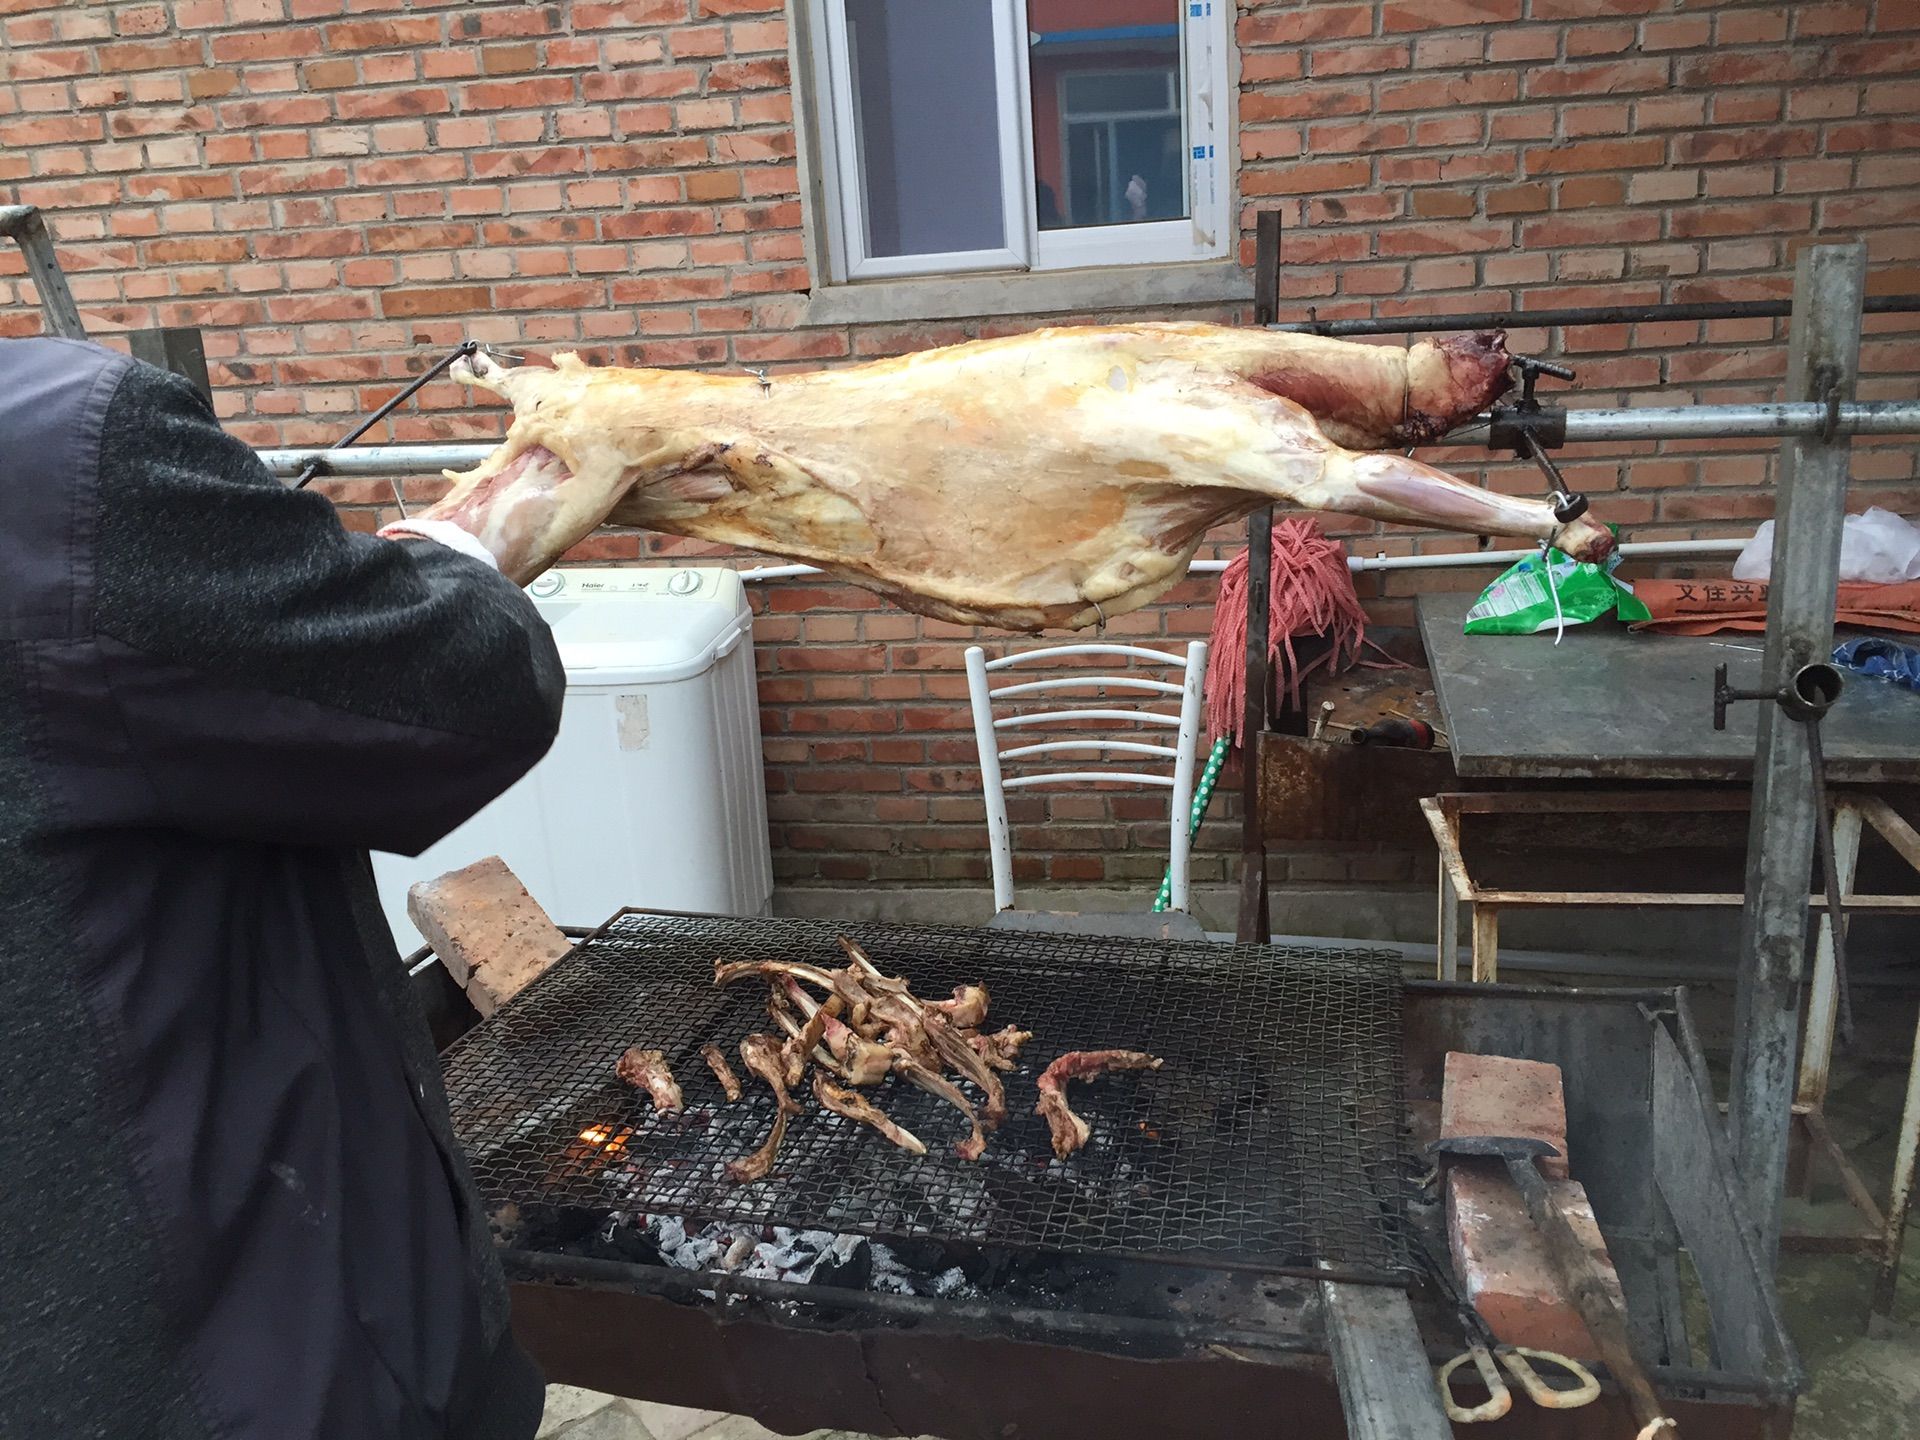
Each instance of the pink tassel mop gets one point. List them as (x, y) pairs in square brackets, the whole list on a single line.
[(1312, 594)]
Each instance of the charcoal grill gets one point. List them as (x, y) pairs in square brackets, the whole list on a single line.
[(1175, 1345), (1271, 1139)]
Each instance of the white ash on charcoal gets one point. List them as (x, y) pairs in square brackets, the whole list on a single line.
[(798, 1257)]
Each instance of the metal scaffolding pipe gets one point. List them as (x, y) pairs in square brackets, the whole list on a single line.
[(1823, 359), (1678, 422), (1579, 315)]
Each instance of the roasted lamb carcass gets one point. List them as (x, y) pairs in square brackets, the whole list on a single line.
[(1052, 479)]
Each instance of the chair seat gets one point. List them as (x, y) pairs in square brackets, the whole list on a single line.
[(1131, 925)]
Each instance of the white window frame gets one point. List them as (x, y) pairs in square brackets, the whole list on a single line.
[(1202, 236)]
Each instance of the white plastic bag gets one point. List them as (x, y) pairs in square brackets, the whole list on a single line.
[(1876, 548)]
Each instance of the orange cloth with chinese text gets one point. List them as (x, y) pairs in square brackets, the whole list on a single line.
[(1707, 607)]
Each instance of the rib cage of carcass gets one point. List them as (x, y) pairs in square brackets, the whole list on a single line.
[(1051, 479)]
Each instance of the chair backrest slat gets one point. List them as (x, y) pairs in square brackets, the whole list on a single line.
[(1053, 652), (1043, 717), (1075, 682), (1061, 777), (1058, 747)]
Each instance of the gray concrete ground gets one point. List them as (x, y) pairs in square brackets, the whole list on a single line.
[(1864, 1384)]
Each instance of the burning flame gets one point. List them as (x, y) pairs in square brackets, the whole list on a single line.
[(602, 1137)]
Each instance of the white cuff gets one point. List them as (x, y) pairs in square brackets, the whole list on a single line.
[(443, 532)]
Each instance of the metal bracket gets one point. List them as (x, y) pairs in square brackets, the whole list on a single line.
[(1530, 429), (1807, 695)]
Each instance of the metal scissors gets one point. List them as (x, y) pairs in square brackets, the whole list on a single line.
[(1483, 1350)]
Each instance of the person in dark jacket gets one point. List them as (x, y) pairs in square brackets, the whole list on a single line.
[(231, 1204)]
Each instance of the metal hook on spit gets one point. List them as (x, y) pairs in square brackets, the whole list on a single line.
[(317, 465)]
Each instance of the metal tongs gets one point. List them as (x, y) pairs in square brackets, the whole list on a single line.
[(1483, 1349)]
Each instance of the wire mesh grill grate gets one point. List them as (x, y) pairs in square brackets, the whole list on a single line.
[(1269, 1140)]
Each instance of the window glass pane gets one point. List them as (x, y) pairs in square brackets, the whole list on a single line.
[(1109, 131), (926, 118)]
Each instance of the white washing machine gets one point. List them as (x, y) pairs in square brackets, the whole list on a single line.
[(654, 793)]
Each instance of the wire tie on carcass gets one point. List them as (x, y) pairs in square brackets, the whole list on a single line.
[(760, 374)]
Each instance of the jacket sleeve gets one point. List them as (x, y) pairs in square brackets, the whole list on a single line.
[(280, 678)]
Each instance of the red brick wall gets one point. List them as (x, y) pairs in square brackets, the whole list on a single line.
[(335, 190)]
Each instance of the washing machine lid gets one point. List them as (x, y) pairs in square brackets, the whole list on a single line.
[(624, 627)]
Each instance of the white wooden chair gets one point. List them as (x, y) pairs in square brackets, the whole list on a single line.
[(1135, 732)]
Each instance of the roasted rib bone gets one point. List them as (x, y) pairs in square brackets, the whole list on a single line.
[(1070, 1132), (647, 1070), (766, 1057), (1074, 473), (717, 1062), (856, 1106), (923, 1033)]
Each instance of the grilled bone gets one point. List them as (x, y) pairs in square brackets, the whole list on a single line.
[(856, 1106), (725, 972), (1070, 1132), (967, 1010), (890, 998), (1077, 471), (858, 1060), (717, 1062), (749, 1168), (1001, 1049), (647, 1070), (766, 1057), (934, 1083)]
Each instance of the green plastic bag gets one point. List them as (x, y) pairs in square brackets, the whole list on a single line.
[(1520, 602)]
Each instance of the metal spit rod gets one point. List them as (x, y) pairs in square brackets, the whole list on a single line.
[(1579, 315), (1679, 422)]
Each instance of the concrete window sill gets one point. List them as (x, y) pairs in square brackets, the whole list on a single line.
[(954, 297)]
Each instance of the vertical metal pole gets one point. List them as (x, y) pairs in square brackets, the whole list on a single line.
[(1824, 355), (24, 224), (1252, 925), (180, 350)]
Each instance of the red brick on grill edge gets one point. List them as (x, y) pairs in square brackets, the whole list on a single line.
[(492, 936), (1503, 1264), (1498, 1095)]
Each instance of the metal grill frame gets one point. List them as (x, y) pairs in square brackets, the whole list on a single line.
[(1179, 1169)]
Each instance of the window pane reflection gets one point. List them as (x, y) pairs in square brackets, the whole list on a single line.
[(1109, 135), (925, 109)]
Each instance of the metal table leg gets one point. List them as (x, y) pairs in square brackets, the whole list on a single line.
[(1447, 929), (1386, 1389), (1816, 1055), (1900, 1202)]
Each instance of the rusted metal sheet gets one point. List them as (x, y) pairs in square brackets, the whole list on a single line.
[(934, 1380), (1314, 792)]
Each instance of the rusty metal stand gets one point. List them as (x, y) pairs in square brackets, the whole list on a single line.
[(1880, 1234)]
